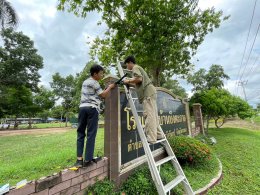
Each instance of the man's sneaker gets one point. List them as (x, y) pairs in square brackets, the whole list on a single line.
[(96, 159), (79, 163), (87, 163)]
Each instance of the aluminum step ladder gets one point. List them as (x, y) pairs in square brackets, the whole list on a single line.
[(154, 166)]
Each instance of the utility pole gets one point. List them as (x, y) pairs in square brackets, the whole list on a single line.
[(243, 83)]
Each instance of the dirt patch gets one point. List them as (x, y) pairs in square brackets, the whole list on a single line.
[(242, 124), (34, 131)]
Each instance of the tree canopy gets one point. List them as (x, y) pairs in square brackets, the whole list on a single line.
[(19, 62), (162, 35), (19, 77), (214, 78), (64, 89), (220, 104)]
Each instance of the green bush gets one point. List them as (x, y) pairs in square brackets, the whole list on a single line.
[(189, 150), (140, 182), (101, 187)]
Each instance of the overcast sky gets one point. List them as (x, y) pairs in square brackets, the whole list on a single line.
[(61, 39)]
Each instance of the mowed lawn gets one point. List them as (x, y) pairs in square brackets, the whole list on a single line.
[(33, 156), (239, 152)]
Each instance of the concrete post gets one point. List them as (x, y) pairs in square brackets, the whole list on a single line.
[(199, 127)]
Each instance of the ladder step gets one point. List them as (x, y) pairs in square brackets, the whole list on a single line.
[(173, 183), (158, 141), (164, 160)]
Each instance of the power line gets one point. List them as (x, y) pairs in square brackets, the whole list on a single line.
[(247, 40), (250, 51), (252, 68)]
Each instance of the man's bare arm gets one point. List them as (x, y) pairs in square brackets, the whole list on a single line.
[(105, 92)]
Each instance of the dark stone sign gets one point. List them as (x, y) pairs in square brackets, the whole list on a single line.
[(172, 119)]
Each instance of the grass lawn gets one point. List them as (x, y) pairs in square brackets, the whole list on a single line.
[(257, 119), (239, 152), (33, 156)]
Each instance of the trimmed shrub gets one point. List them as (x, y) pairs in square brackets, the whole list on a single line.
[(189, 150)]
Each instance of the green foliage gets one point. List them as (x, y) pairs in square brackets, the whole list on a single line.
[(19, 77), (140, 182), (64, 88), (242, 108), (163, 35), (57, 112), (21, 101), (175, 88), (15, 101), (219, 103), (189, 150), (19, 62), (258, 107), (215, 102), (102, 187), (213, 79), (8, 16)]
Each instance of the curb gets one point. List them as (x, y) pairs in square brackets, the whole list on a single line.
[(213, 182)]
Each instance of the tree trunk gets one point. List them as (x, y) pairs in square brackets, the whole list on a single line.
[(156, 74), (219, 125), (66, 125), (60, 119), (30, 123), (207, 125), (16, 123)]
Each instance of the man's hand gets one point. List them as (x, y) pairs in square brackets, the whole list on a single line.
[(112, 86), (127, 81), (105, 92), (133, 81)]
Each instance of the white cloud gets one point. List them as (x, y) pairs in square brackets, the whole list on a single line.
[(61, 39), (225, 46)]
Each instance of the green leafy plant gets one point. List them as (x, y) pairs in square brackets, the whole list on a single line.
[(189, 150), (140, 182), (102, 187)]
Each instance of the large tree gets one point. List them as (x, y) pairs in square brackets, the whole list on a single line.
[(163, 35), (19, 61), (8, 16), (19, 65), (64, 89), (214, 78)]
